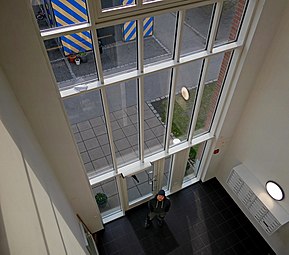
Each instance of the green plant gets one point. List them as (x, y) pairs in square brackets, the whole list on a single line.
[(192, 154), (83, 56), (101, 199)]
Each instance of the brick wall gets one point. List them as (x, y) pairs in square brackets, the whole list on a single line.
[(239, 10)]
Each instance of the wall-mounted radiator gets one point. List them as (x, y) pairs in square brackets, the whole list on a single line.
[(250, 191)]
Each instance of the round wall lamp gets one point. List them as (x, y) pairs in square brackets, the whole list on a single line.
[(274, 190), (185, 93)]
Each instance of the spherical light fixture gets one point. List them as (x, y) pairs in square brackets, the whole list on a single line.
[(274, 190), (185, 93)]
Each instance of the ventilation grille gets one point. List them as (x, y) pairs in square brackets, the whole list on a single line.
[(266, 211)]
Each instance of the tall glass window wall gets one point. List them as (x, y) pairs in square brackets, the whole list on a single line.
[(132, 83)]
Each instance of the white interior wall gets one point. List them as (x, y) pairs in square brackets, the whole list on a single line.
[(36, 217), (261, 137), (25, 63)]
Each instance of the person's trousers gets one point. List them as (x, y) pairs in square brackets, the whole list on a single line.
[(160, 216)]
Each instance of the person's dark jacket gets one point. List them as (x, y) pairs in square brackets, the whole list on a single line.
[(159, 206)]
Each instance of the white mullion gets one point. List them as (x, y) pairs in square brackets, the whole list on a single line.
[(108, 126), (179, 33), (247, 21), (171, 109), (91, 10), (91, 7), (141, 117), (66, 30), (139, 3), (119, 12), (92, 85), (140, 43), (176, 57), (97, 56), (214, 27), (199, 99), (140, 61)]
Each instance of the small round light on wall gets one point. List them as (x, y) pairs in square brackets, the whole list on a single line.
[(274, 190), (185, 93)]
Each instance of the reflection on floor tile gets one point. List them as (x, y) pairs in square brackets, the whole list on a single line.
[(203, 220)]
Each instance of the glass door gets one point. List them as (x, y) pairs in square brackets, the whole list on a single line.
[(140, 186)]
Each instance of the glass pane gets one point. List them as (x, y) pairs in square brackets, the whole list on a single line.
[(156, 90), (105, 4), (194, 160), (106, 196), (167, 170), (140, 185), (118, 48), (158, 39), (230, 21), (58, 13), (187, 84), (85, 113), (195, 30), (216, 73), (122, 101), (72, 59)]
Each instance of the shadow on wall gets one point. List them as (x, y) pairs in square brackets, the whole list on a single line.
[(40, 172)]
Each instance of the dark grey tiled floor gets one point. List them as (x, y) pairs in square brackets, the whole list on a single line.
[(203, 220)]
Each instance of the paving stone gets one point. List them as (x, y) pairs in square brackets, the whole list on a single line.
[(122, 144), (131, 110), (89, 167), (96, 153), (128, 154), (110, 188), (118, 134), (153, 122), (148, 114), (85, 157), (158, 130), (91, 143), (83, 125), (81, 147), (148, 135), (100, 163), (106, 149), (133, 140), (120, 114), (103, 139), (96, 121), (77, 137), (124, 122), (100, 130), (129, 130), (153, 144), (114, 125), (87, 134)]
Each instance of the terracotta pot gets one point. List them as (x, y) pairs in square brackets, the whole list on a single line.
[(72, 58)]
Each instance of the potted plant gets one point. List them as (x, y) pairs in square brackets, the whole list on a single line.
[(71, 58), (83, 56), (101, 199), (77, 61)]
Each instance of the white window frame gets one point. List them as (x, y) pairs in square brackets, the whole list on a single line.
[(101, 19)]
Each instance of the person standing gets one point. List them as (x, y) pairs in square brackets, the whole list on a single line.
[(158, 207)]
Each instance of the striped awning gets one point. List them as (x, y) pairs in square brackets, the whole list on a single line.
[(129, 28), (69, 12)]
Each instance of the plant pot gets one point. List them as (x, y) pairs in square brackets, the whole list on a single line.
[(77, 61), (71, 58), (83, 57), (101, 200)]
